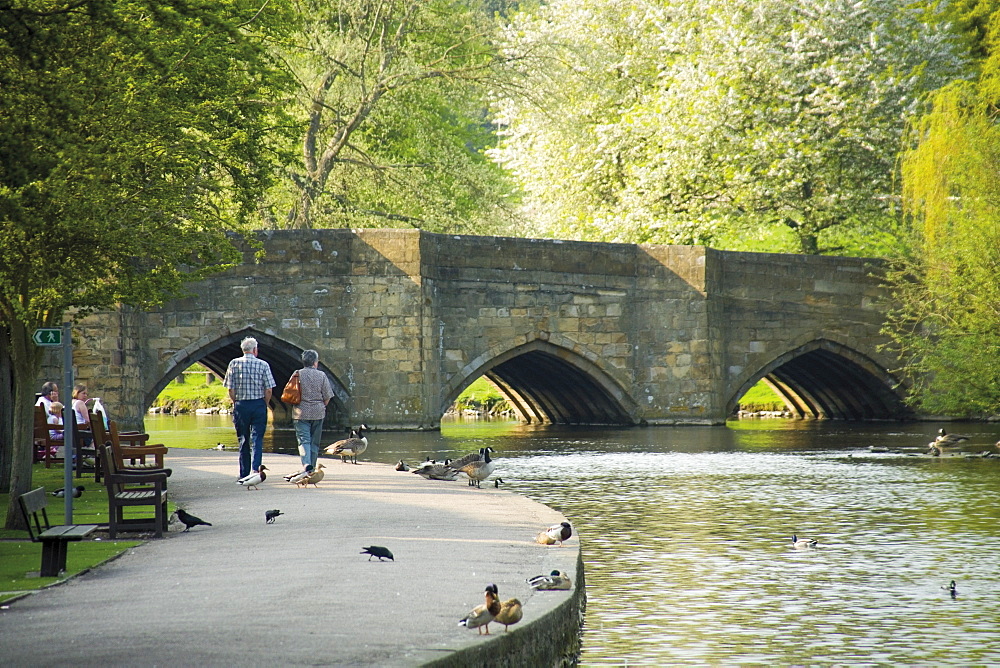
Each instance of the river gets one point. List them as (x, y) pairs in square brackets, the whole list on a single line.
[(687, 534)]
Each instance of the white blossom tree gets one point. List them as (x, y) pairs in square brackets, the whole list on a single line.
[(678, 120)]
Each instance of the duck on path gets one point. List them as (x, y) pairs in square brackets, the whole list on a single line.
[(254, 478), (350, 448), (510, 613), (314, 477), (481, 616), (557, 533), (554, 581)]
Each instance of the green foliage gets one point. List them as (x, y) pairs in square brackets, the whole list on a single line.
[(947, 294), (761, 397), (693, 121), (392, 117), (192, 394), (482, 396)]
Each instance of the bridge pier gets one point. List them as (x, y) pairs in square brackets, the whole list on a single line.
[(573, 332)]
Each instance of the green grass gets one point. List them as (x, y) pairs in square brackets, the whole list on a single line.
[(761, 397), (193, 393), (20, 558)]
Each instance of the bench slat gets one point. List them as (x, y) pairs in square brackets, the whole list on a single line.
[(68, 532)]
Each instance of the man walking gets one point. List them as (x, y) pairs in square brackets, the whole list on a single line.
[(249, 381)]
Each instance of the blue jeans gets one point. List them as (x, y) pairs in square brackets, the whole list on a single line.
[(308, 433), (250, 418)]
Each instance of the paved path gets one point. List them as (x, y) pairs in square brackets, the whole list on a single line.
[(296, 592)]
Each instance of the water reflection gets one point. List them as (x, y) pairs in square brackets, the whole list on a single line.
[(687, 535)]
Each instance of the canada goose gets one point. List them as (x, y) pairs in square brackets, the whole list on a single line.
[(477, 467), (484, 613), (436, 472), (350, 448)]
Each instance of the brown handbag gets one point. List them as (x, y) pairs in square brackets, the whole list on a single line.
[(292, 393)]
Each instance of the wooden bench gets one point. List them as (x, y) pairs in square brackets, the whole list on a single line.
[(54, 539), (130, 488)]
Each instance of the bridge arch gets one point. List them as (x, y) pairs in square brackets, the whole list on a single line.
[(215, 352), (549, 383), (823, 379)]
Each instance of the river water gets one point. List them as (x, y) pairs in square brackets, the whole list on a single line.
[(687, 534)]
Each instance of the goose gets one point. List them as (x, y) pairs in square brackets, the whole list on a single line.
[(297, 477), (255, 478), (557, 533), (510, 613), (554, 581), (436, 472), (803, 543), (481, 616), (477, 467), (945, 440), (314, 477), (350, 447)]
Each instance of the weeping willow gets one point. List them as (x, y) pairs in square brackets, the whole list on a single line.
[(947, 322)]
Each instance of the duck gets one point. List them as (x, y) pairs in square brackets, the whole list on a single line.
[(477, 466), (558, 533), (401, 466), (314, 477), (77, 492), (300, 475), (481, 615), (254, 478), (350, 448), (436, 472), (554, 581), (951, 588), (803, 543), (510, 613)]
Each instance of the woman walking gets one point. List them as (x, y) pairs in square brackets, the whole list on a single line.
[(309, 413)]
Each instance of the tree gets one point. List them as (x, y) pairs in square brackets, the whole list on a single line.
[(392, 112), (132, 144), (947, 295), (682, 120)]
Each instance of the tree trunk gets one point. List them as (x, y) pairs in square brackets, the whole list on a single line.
[(26, 360), (6, 409)]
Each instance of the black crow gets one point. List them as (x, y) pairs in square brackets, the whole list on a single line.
[(376, 551), (269, 515), (190, 520)]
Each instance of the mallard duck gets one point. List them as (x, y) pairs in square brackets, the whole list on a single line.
[(350, 448), (803, 543), (554, 581), (314, 477), (510, 613), (477, 466), (436, 472), (951, 588), (557, 533), (481, 616), (296, 478), (401, 466), (254, 478)]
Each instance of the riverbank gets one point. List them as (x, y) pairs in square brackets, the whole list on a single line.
[(300, 589)]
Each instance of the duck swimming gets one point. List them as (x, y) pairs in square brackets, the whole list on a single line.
[(803, 543)]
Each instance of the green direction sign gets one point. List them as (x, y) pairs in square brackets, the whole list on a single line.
[(47, 336)]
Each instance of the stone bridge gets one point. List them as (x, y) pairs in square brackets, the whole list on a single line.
[(571, 332)]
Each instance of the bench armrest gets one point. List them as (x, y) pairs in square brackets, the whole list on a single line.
[(143, 450), (137, 477)]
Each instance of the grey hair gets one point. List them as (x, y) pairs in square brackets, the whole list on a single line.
[(248, 345), (49, 387), (310, 357)]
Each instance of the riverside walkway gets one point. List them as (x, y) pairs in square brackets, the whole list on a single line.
[(298, 592)]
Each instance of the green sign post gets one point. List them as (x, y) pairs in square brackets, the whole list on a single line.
[(47, 336)]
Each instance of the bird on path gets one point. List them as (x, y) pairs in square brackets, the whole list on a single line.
[(510, 613), (554, 581), (350, 448), (803, 543), (401, 466), (313, 478), (477, 466), (481, 616), (951, 588), (557, 533), (189, 520), (498, 482), (77, 492), (255, 478), (270, 515), (376, 551), (436, 472), (299, 475)]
